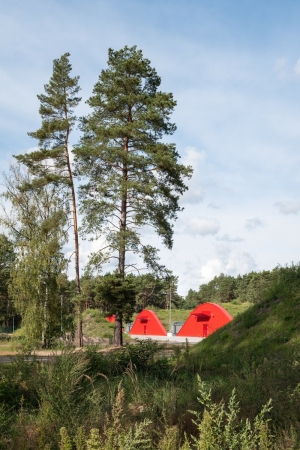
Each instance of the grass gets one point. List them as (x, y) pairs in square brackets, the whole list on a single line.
[(5, 347), (235, 309), (96, 325), (258, 354)]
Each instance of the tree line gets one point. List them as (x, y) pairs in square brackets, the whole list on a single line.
[(250, 287)]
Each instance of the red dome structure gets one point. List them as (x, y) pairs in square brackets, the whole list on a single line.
[(204, 320), (147, 323), (111, 319)]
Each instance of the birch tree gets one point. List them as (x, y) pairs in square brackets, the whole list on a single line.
[(35, 222)]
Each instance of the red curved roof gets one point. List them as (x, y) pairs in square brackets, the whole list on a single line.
[(204, 320), (147, 323)]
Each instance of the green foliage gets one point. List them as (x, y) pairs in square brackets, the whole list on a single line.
[(219, 290), (170, 439), (150, 290), (140, 356), (65, 443), (6, 419), (144, 412), (36, 224), (192, 299), (116, 295), (94, 443), (127, 107), (96, 325), (251, 288), (118, 437), (49, 164), (65, 390), (7, 257), (258, 353), (134, 180), (220, 429)]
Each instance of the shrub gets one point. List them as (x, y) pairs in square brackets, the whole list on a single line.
[(220, 429)]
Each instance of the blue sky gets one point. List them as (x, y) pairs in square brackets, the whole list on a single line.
[(234, 69)]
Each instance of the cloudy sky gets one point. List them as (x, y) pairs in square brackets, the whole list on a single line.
[(234, 69)]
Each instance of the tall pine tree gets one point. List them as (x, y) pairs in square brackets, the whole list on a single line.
[(134, 179), (50, 164)]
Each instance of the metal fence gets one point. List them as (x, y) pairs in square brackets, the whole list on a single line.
[(176, 326), (8, 330)]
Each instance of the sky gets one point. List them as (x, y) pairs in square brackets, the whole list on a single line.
[(234, 69)]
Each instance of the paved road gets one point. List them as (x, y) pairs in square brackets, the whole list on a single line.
[(10, 359)]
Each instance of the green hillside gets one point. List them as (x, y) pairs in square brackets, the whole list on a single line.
[(258, 353)]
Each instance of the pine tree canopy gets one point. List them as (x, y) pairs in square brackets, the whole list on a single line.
[(133, 178), (50, 163)]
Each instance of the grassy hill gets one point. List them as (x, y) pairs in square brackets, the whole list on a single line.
[(258, 354)]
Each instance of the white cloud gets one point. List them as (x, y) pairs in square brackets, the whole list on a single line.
[(280, 64), (227, 238), (288, 207), (203, 226), (193, 196), (195, 192), (297, 67), (234, 263), (280, 68), (252, 224), (214, 206), (193, 157), (211, 269)]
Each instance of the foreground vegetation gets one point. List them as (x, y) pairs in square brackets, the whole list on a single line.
[(237, 390), (125, 400)]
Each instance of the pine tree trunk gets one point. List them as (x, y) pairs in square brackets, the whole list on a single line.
[(76, 239), (118, 336)]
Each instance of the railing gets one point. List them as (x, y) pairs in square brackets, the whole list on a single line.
[(8, 329)]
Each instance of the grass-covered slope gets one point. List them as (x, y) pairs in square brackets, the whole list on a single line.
[(258, 353), (264, 330)]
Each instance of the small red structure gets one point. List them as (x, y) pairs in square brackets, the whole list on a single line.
[(147, 323), (111, 319), (204, 320)]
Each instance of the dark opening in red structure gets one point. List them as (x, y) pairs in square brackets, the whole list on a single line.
[(204, 320), (147, 323)]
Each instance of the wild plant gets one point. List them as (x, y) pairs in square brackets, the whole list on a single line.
[(220, 429), (65, 443), (80, 439), (65, 391), (170, 439), (117, 435)]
